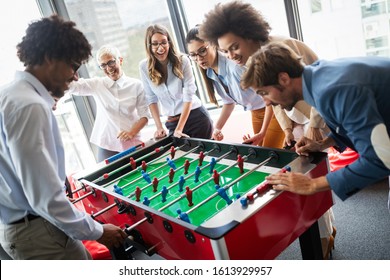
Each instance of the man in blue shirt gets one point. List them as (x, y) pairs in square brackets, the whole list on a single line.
[(37, 221), (351, 94)]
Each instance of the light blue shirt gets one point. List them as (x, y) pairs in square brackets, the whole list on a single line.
[(32, 161), (174, 92), (229, 73)]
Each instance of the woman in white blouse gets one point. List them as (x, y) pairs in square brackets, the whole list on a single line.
[(169, 82), (120, 101)]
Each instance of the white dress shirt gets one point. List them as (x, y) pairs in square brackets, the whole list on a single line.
[(120, 104), (32, 161), (174, 92)]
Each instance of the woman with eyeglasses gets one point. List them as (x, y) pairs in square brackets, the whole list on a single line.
[(121, 109), (223, 76), (169, 82)]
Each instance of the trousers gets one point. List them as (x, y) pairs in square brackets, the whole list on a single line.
[(40, 240)]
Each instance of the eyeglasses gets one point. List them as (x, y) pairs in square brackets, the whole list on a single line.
[(156, 45), (262, 93), (202, 52), (109, 63), (75, 66)]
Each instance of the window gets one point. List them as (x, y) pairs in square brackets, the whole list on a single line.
[(316, 6), (18, 21), (356, 28), (120, 23)]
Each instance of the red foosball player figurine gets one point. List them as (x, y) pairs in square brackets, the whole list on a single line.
[(189, 196), (171, 174), (240, 162), (133, 163), (138, 193), (173, 151), (216, 177), (186, 166), (201, 157), (144, 165), (155, 184)]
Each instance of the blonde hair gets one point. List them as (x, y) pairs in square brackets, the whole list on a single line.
[(107, 50), (155, 71)]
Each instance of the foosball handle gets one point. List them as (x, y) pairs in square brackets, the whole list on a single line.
[(124, 153), (289, 147)]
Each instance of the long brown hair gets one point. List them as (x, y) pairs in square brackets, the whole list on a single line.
[(155, 70), (193, 35)]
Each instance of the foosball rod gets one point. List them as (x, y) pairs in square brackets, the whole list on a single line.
[(156, 169), (151, 184), (192, 174), (157, 150), (103, 210), (183, 195), (232, 183), (127, 152), (114, 204), (82, 197)]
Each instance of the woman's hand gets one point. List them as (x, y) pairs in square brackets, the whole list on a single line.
[(288, 137), (255, 140), (217, 134), (124, 136), (160, 133), (179, 134)]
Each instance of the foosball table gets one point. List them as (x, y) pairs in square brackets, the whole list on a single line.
[(200, 199)]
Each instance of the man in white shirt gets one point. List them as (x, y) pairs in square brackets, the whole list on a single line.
[(120, 101), (37, 220)]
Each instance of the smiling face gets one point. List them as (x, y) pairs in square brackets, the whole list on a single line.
[(237, 48), (58, 76), (111, 66), (159, 44), (202, 53)]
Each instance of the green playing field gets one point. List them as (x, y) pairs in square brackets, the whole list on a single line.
[(160, 170)]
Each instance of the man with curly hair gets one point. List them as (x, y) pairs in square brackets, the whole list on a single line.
[(37, 221)]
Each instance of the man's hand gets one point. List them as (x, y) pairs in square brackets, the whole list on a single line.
[(297, 183), (306, 145), (113, 236)]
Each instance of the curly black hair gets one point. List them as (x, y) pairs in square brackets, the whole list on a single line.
[(240, 18), (54, 38)]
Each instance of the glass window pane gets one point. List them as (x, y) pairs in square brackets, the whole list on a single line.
[(353, 28), (78, 153), (11, 16), (121, 23)]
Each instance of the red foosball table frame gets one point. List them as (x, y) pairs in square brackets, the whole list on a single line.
[(261, 230)]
